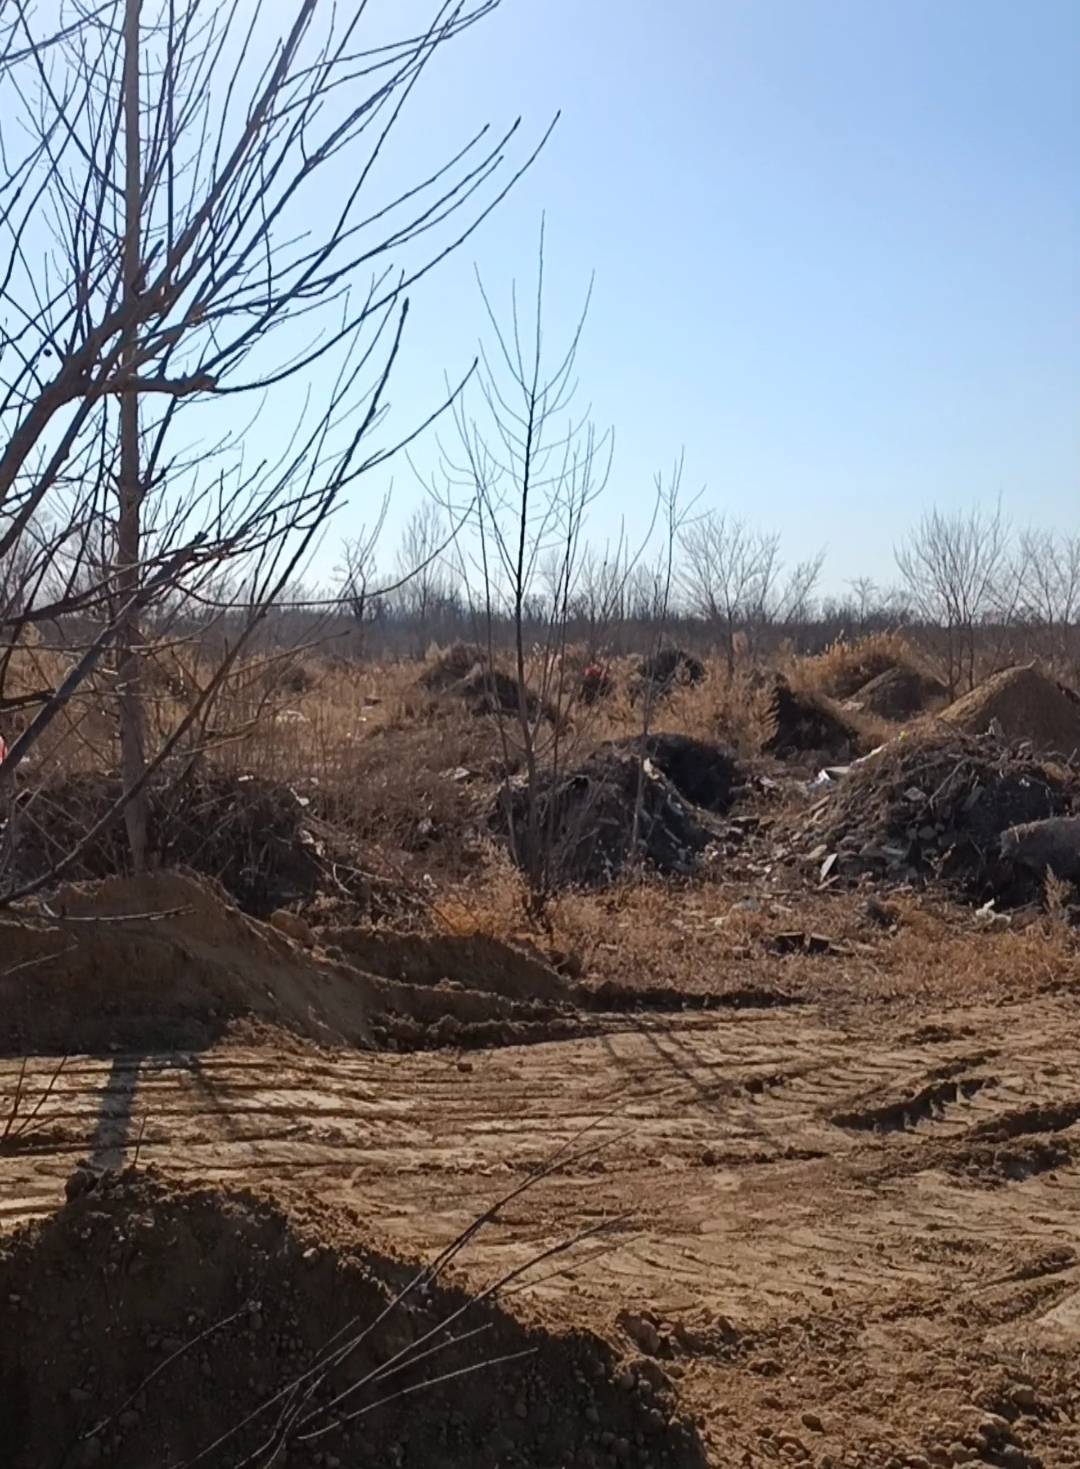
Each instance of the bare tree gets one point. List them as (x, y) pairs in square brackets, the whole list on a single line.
[(728, 573), (1048, 575), (424, 570), (952, 567), (165, 161), (531, 469), (358, 579)]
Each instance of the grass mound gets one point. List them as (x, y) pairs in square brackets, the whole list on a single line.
[(466, 671), (845, 667)]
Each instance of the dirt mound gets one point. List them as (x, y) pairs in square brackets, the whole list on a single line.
[(939, 809), (802, 721), (1025, 704), (587, 821), (666, 670), (596, 683), (478, 961), (899, 693), (703, 773), (152, 1324), (162, 963), (466, 671), (256, 837)]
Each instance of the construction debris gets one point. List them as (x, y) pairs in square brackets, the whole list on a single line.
[(1046, 846), (256, 837), (939, 809)]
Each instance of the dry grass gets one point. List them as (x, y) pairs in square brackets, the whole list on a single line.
[(384, 762), (719, 936), (845, 667)]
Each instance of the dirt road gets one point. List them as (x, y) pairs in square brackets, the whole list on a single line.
[(847, 1241)]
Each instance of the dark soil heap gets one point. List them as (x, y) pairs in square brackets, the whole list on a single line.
[(465, 671), (704, 774), (1027, 704), (589, 815), (802, 722), (254, 836), (666, 670), (939, 809), (898, 693), (146, 1324)]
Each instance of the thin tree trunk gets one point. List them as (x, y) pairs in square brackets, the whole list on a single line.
[(128, 528)]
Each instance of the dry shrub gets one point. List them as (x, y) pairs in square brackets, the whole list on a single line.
[(845, 666)]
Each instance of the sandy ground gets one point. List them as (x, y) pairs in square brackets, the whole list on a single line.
[(849, 1239)]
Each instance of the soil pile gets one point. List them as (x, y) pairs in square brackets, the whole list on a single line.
[(587, 827), (662, 672), (1024, 703), (163, 963), (149, 1324), (596, 683), (465, 671), (898, 693), (256, 837), (802, 722), (939, 809), (476, 960), (705, 774)]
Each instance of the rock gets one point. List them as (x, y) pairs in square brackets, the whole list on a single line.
[(813, 1422), (293, 927), (1024, 1396), (79, 1183), (642, 1330)]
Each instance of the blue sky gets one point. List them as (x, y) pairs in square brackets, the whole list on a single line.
[(835, 245)]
